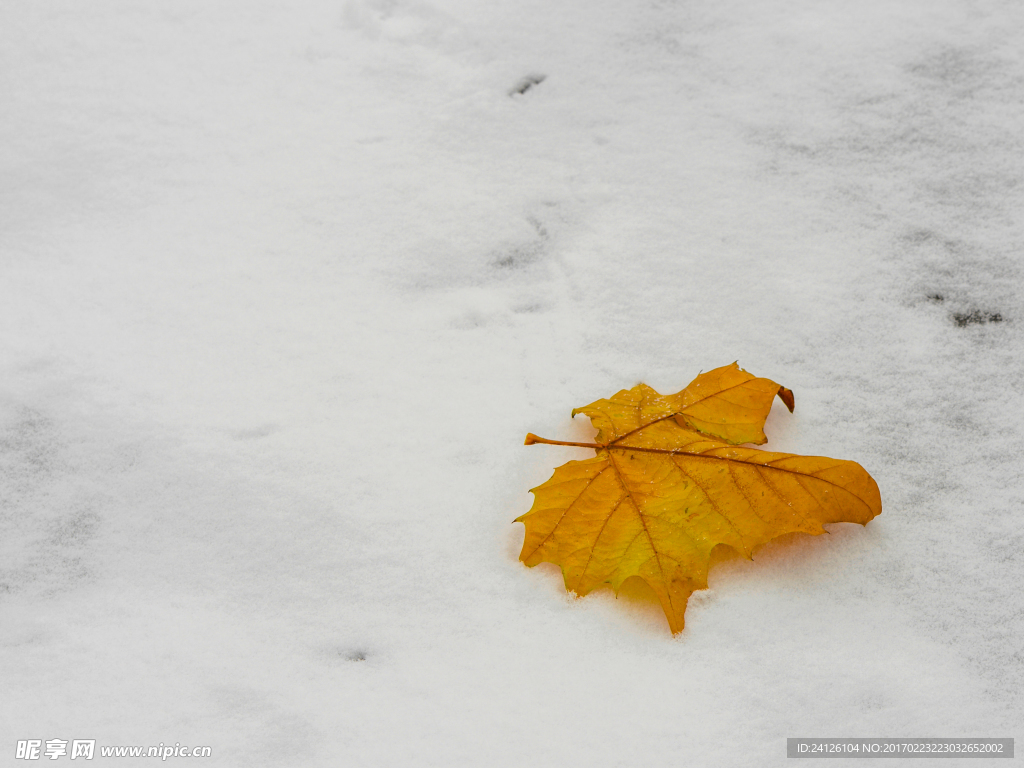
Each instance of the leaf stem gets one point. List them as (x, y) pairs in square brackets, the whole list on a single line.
[(532, 438)]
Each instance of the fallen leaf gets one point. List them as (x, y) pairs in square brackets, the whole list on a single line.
[(670, 482)]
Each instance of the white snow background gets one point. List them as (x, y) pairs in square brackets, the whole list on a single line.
[(283, 286)]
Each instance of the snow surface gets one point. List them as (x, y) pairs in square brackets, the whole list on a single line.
[(285, 285)]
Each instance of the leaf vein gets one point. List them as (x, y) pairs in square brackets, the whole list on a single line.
[(593, 546), (566, 512)]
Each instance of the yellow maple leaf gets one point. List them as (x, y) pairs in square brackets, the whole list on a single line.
[(669, 484)]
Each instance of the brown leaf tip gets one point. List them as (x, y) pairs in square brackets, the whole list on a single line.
[(786, 396)]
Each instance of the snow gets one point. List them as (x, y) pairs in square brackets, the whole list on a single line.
[(283, 287)]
